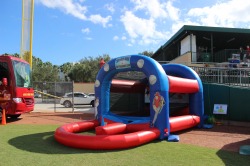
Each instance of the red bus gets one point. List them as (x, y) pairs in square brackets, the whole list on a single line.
[(19, 85)]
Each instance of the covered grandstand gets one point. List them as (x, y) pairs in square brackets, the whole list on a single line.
[(202, 44)]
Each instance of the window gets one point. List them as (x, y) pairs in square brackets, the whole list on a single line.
[(22, 74), (4, 70)]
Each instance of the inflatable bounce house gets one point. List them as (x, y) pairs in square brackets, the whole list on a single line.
[(120, 131)]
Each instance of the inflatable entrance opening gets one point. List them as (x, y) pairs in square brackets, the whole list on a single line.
[(165, 82)]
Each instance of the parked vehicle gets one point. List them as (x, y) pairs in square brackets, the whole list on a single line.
[(79, 99), (91, 94), (17, 73), (37, 95)]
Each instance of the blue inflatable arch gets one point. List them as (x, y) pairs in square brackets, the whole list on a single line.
[(157, 76), (157, 83), (196, 100)]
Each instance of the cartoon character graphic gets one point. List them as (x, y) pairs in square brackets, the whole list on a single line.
[(96, 105), (220, 110), (158, 104)]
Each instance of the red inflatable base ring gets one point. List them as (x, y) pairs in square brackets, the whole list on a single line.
[(66, 135)]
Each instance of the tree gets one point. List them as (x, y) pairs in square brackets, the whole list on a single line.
[(87, 69), (65, 69), (83, 71), (147, 53), (15, 55), (44, 72)]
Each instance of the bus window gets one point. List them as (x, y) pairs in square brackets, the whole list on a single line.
[(4, 71), (22, 74)]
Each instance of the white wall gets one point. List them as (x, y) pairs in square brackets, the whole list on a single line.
[(186, 46)]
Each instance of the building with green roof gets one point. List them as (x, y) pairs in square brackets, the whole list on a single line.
[(203, 44)]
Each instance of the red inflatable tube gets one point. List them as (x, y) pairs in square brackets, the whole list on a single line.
[(182, 85), (179, 123), (137, 127), (65, 136), (118, 128), (127, 86), (111, 129)]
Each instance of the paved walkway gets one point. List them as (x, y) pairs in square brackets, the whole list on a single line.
[(48, 107)]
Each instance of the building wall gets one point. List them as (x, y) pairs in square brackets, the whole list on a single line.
[(84, 87), (236, 98), (184, 59)]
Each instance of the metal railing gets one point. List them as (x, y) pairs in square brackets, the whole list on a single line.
[(220, 75), (229, 76), (218, 57)]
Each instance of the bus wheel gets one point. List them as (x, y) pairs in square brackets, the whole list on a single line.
[(67, 104), (14, 116)]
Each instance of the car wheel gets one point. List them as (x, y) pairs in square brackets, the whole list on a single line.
[(67, 104), (92, 103)]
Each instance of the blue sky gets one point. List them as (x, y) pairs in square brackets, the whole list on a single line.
[(69, 30)]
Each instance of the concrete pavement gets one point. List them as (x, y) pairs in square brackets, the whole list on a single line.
[(55, 107), (60, 108)]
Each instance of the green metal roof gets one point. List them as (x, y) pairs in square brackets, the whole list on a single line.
[(221, 32)]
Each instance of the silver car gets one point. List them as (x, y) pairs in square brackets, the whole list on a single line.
[(79, 99), (91, 94)]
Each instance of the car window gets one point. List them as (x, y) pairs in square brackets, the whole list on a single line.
[(81, 95), (69, 95), (77, 95)]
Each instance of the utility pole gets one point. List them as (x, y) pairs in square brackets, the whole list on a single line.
[(27, 30)]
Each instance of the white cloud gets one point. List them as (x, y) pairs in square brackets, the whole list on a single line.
[(130, 45), (119, 38), (77, 10), (152, 22), (173, 12), (143, 30), (179, 24), (110, 7), (145, 20), (231, 13), (115, 38), (152, 7), (98, 19), (88, 38), (85, 30), (156, 9), (124, 38), (67, 6)]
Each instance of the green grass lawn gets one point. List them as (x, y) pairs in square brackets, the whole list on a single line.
[(24, 145)]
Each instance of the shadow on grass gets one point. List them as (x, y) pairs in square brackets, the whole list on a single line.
[(227, 157), (236, 145), (43, 143)]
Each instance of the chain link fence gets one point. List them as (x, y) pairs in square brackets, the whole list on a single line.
[(48, 95)]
